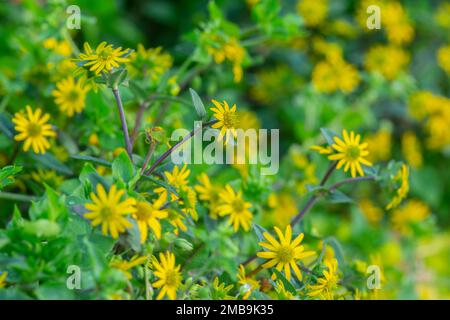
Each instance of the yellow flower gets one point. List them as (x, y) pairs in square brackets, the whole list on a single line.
[(153, 62), (443, 56), (402, 176), (442, 15), (228, 120), (176, 219), (189, 201), (3, 277), (34, 129), (93, 140), (372, 213), (220, 291), (125, 266), (147, 216), (209, 193), (285, 253), (108, 210), (70, 96), (399, 29), (232, 51), (63, 48), (282, 292), (104, 58), (412, 212), (330, 76), (411, 149), (379, 145), (169, 275), (350, 152), (178, 178), (325, 285), (248, 284), (284, 208), (387, 60), (49, 177), (237, 208), (314, 12), (322, 150)]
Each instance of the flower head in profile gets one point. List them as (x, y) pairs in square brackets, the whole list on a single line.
[(220, 290), (325, 285), (33, 129), (208, 193), (168, 274), (109, 210), (125, 266), (104, 58), (350, 153), (236, 207), (248, 285), (176, 219), (284, 254), (70, 96), (148, 215), (401, 179), (228, 120), (405, 216)]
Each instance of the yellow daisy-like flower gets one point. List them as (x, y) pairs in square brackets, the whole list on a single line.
[(314, 12), (220, 290), (228, 119), (70, 96), (147, 216), (3, 279), (103, 58), (285, 253), (125, 266), (443, 57), (209, 193), (350, 152), (176, 219), (402, 176), (110, 211), (325, 285), (248, 284), (178, 178), (412, 212), (169, 275), (387, 60), (322, 150), (33, 129), (236, 207)]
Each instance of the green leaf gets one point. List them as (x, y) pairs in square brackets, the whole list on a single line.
[(92, 159), (198, 104), (51, 162), (259, 232), (328, 135), (122, 168), (42, 228), (337, 196), (117, 78), (7, 175)]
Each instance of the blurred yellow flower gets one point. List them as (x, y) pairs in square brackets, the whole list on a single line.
[(372, 213), (443, 56), (284, 254), (63, 48), (330, 76), (125, 266), (412, 211), (237, 208), (208, 193), (411, 149), (33, 129), (152, 62), (313, 12), (283, 207), (401, 179), (109, 210), (232, 51), (248, 284), (168, 274), (387, 60), (176, 219), (442, 15), (70, 96), (379, 145), (3, 277)]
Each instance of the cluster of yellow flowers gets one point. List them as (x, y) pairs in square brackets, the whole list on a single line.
[(388, 60), (314, 12), (433, 112), (229, 50)]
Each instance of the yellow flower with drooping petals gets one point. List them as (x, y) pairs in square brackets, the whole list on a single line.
[(401, 178), (208, 193), (148, 215), (110, 211), (33, 129), (168, 274), (126, 266), (284, 254), (248, 284), (325, 286)]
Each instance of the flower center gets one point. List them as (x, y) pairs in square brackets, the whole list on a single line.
[(285, 254), (238, 205), (353, 152), (230, 119), (105, 54), (107, 212), (34, 129), (172, 278), (72, 95)]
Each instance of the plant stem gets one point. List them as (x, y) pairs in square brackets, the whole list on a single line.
[(137, 124), (123, 121), (17, 197), (176, 146), (148, 156)]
